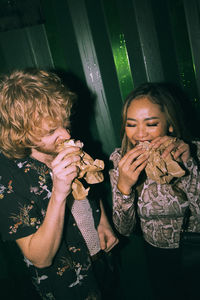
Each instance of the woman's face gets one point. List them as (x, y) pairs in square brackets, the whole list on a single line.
[(145, 121)]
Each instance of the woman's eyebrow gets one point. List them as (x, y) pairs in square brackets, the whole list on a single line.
[(151, 118), (146, 119), (132, 119)]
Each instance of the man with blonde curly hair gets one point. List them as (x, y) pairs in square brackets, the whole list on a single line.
[(61, 242)]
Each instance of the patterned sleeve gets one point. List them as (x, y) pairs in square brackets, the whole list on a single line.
[(17, 209), (123, 206), (184, 191), (191, 183)]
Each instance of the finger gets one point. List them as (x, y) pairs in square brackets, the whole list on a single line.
[(132, 155), (176, 146), (140, 160), (130, 152), (132, 163), (135, 168), (158, 141), (182, 150), (72, 160), (102, 241), (168, 150), (71, 171), (140, 168), (66, 161), (112, 244), (65, 152)]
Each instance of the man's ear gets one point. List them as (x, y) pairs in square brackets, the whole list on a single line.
[(171, 129)]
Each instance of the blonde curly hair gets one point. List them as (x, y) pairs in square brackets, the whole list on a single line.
[(27, 98)]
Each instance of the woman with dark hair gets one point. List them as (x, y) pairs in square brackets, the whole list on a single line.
[(153, 117)]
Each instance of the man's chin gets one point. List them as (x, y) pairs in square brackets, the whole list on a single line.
[(47, 151)]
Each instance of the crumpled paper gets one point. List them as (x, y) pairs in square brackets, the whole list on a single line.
[(90, 169), (159, 169)]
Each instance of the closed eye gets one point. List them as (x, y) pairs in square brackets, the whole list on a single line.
[(152, 125), (51, 132), (130, 125)]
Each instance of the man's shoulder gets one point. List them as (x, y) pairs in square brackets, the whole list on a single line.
[(5, 162), (12, 168)]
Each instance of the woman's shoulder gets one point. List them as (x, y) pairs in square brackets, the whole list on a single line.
[(195, 148), (196, 142), (116, 156)]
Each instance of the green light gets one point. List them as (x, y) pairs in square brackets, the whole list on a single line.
[(119, 49), (122, 64)]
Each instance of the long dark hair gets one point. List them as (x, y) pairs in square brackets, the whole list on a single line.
[(158, 93)]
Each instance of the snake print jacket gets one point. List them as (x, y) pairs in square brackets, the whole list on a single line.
[(160, 208)]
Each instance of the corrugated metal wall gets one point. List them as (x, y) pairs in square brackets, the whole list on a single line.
[(124, 43), (111, 46)]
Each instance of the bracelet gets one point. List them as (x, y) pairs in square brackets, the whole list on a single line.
[(124, 196), (122, 192)]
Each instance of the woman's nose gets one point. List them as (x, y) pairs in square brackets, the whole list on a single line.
[(141, 132)]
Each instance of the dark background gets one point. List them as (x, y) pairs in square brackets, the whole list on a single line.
[(103, 49)]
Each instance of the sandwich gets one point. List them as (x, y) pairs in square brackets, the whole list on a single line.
[(89, 169), (162, 170)]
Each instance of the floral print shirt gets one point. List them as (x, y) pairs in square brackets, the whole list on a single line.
[(160, 207), (25, 190)]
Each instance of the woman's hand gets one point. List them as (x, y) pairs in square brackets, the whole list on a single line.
[(181, 149), (64, 171), (130, 167)]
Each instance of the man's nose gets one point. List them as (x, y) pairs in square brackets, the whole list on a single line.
[(64, 134)]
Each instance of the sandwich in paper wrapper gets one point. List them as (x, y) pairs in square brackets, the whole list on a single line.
[(90, 169), (159, 169)]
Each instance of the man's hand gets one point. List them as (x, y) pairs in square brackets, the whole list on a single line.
[(106, 235), (64, 171)]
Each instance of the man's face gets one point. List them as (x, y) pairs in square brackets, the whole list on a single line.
[(47, 143)]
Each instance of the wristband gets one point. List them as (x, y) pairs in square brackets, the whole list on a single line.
[(124, 196), (121, 191)]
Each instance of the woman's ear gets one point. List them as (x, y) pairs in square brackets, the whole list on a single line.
[(171, 129)]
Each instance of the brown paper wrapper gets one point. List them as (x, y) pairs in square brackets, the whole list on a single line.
[(162, 170), (90, 169)]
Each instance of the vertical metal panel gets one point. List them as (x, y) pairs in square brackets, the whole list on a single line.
[(92, 73), (61, 36), (192, 12), (39, 47), (104, 52), (119, 48), (22, 48), (182, 47), (164, 32), (131, 35), (148, 40)]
